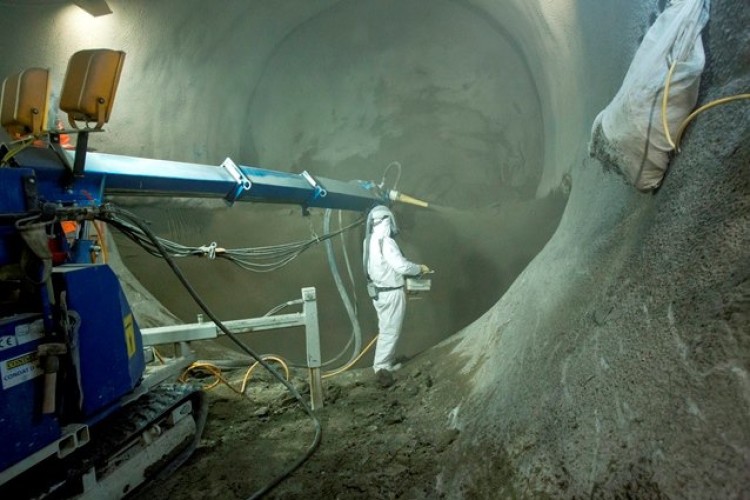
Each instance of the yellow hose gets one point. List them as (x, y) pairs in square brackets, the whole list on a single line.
[(703, 108), (665, 101), (158, 355), (24, 143), (250, 370), (207, 367), (220, 379), (352, 362)]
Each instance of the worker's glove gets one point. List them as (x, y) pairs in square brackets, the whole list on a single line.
[(424, 269)]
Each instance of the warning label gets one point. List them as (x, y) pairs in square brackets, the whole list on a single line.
[(17, 370)]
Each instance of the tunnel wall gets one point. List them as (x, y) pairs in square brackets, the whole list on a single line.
[(200, 75), (616, 366), (576, 51), (339, 89), (195, 66), (442, 90), (617, 361)]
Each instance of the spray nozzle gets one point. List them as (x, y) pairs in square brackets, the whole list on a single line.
[(394, 195)]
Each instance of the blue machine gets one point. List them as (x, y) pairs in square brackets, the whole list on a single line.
[(25, 428), (71, 354), (100, 362)]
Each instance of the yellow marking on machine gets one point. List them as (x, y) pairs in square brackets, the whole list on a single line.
[(27, 358), (129, 326)]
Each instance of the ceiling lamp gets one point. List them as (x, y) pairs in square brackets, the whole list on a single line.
[(94, 7)]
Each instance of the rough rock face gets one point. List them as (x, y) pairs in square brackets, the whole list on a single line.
[(617, 363)]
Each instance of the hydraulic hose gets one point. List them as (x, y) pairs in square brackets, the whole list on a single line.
[(282, 306), (349, 271), (398, 174), (350, 311)]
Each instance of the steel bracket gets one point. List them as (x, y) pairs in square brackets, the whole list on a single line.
[(242, 182)]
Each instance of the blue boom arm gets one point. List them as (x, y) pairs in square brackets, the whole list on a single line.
[(138, 176), (106, 174), (71, 351)]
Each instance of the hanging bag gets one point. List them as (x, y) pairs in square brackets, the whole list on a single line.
[(628, 135)]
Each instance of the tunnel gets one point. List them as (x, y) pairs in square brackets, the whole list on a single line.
[(582, 339)]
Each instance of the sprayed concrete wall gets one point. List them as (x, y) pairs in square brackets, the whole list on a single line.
[(340, 89), (617, 362)]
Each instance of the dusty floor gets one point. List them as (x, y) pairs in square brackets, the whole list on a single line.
[(377, 443)]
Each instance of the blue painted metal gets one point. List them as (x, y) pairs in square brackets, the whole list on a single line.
[(109, 341), (110, 352), (127, 175), (53, 182), (23, 428), (138, 176), (13, 200), (80, 252)]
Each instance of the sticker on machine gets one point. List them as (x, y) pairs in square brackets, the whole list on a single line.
[(7, 341), (28, 332), (24, 333), (17, 370)]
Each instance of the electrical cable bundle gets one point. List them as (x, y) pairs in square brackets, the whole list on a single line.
[(256, 259)]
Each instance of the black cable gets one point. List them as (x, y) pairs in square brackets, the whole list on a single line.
[(260, 259), (132, 218), (176, 250)]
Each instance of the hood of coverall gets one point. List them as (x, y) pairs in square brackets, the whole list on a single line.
[(380, 218), (380, 224)]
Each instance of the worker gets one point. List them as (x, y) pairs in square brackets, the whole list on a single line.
[(386, 267)]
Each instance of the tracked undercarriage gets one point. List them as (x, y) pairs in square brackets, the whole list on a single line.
[(145, 440)]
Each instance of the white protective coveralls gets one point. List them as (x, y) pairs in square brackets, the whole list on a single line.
[(386, 267)]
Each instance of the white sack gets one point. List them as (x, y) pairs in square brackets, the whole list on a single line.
[(628, 134)]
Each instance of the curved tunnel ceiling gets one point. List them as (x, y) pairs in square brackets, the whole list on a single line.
[(449, 89), (467, 96), (437, 88), (340, 89)]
